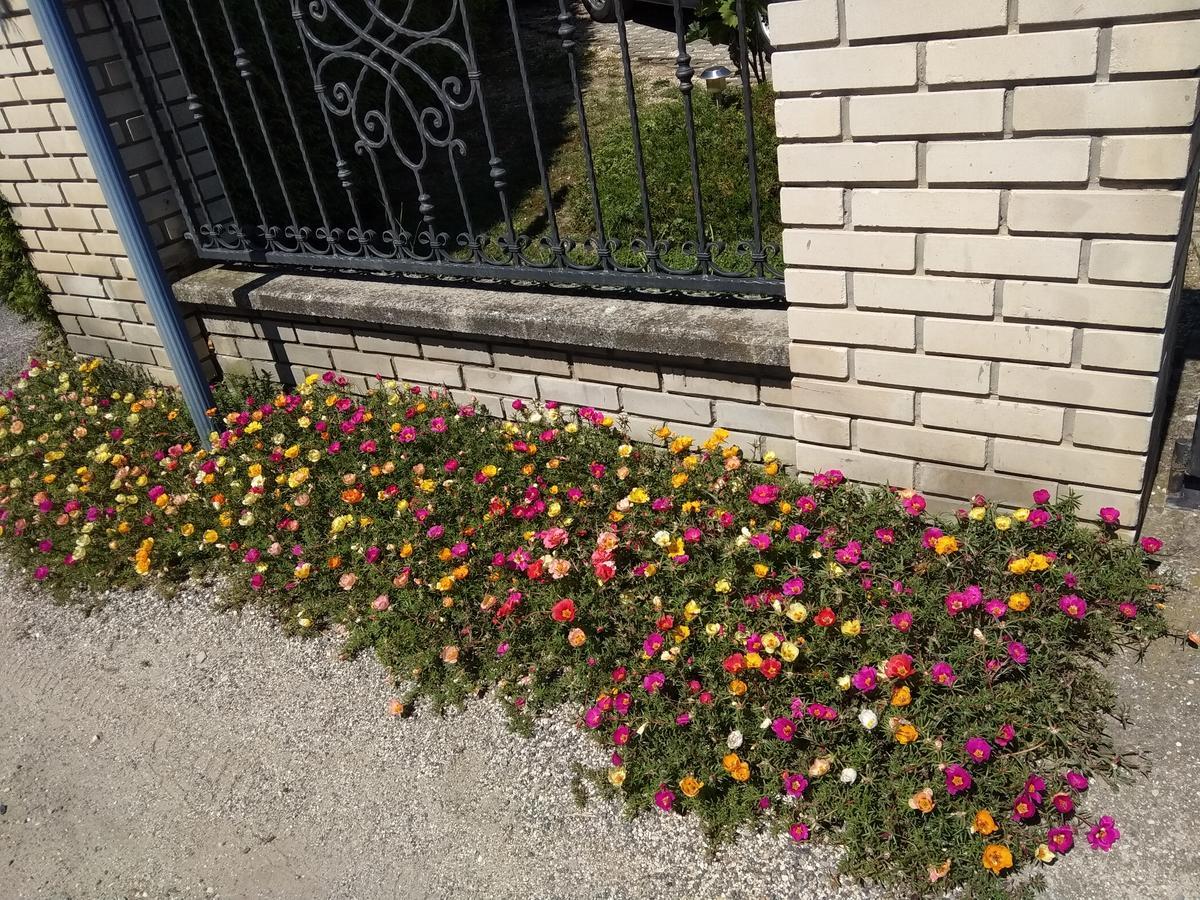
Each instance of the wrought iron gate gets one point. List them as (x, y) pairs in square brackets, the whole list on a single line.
[(427, 137)]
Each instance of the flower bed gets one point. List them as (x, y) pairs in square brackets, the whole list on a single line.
[(814, 656)]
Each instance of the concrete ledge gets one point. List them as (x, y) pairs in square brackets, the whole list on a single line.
[(683, 329)]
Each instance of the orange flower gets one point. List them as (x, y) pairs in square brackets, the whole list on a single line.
[(922, 800), (730, 761), (352, 495), (984, 823), (576, 637), (901, 696), (395, 707), (737, 687), (690, 785), (996, 858), (906, 734), (741, 772), (936, 873)]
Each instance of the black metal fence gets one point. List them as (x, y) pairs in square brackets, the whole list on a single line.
[(476, 138)]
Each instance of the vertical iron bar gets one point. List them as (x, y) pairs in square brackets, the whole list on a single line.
[(301, 143), (757, 256), (212, 71), (343, 169), (135, 55), (242, 63), (551, 218), (566, 31), (496, 169), (50, 17), (684, 73), (631, 102)]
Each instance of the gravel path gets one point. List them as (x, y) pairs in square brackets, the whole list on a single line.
[(18, 337)]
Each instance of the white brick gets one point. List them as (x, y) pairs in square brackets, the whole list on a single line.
[(808, 117), (957, 376), (675, 407), (528, 359), (1012, 57), (811, 206), (800, 22), (1092, 500), (1076, 387), (1115, 470), (993, 340), (1096, 212), (915, 115), (1143, 262), (1115, 104), (915, 293), (858, 329), (841, 163), (708, 384), (853, 400), (814, 428), (1088, 304), (1155, 47), (815, 287), (896, 18), (628, 373), (819, 361), (456, 351), (1125, 350), (962, 483), (846, 68), (850, 249), (1112, 432), (578, 393), (1037, 12), (969, 254), (1039, 423), (362, 363), (392, 345), (493, 381), (1145, 157), (754, 418), (1057, 160), (924, 208), (919, 443), (867, 467)]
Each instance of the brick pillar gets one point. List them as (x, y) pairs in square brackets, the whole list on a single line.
[(985, 202), (46, 176)]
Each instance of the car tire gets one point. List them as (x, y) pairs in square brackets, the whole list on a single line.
[(602, 10)]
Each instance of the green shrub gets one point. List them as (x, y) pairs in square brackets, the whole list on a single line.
[(20, 288), (748, 647)]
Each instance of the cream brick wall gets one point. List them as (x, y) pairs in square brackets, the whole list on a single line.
[(48, 179), (983, 204)]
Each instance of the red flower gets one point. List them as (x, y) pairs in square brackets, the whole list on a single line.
[(825, 617), (734, 663), (770, 667), (564, 611), (899, 666)]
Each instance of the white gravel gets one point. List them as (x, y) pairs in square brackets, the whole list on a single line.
[(159, 749)]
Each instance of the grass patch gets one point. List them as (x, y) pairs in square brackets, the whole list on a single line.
[(808, 656)]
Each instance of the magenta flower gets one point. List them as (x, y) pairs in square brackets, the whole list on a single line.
[(1017, 652), (653, 682), (865, 679), (943, 673), (793, 587), (798, 533), (1063, 803), (1151, 544), (885, 535), (764, 494), (1040, 496), (978, 749), (621, 734), (996, 608), (760, 541), (1104, 834), (1006, 735), (799, 832), (1038, 518), (1077, 781), (1073, 606), (1024, 809), (652, 644), (794, 784), (958, 779), (784, 728), (664, 799), (902, 621), (1110, 515), (1061, 839), (1034, 785), (1128, 610), (593, 717)]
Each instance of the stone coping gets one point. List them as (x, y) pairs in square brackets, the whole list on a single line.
[(692, 329)]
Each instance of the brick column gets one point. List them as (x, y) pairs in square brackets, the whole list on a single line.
[(986, 201), (58, 205)]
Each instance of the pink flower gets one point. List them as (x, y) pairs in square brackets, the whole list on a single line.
[(593, 717), (943, 673), (797, 533), (1038, 518), (653, 682), (764, 494), (1077, 781), (958, 779), (1040, 496), (652, 644), (380, 603), (1061, 839), (1128, 610), (621, 735), (885, 535), (1063, 803), (799, 832), (1075, 607), (1005, 736), (664, 799), (1110, 515), (784, 728), (760, 541), (902, 621), (794, 784), (865, 679), (1151, 544), (978, 749), (914, 505), (1104, 834), (1017, 652)]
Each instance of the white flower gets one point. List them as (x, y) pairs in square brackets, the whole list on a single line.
[(868, 719), (765, 723), (662, 538), (734, 740), (848, 776)]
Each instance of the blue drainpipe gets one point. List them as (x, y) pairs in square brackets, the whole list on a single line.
[(58, 36)]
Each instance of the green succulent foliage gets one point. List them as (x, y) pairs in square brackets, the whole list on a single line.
[(20, 288)]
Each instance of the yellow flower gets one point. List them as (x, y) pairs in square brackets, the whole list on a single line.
[(211, 537), (712, 629), (1044, 854), (902, 696), (1038, 562), (690, 610), (945, 544), (796, 612), (722, 586), (730, 761), (1018, 602), (187, 530), (844, 683), (852, 628), (761, 570), (1018, 566), (770, 642), (741, 772), (489, 470), (681, 444), (624, 451), (906, 734), (616, 777), (984, 823), (788, 651), (737, 687), (638, 495), (1021, 514), (690, 785), (1003, 523), (977, 513), (996, 858), (753, 660), (679, 479)]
